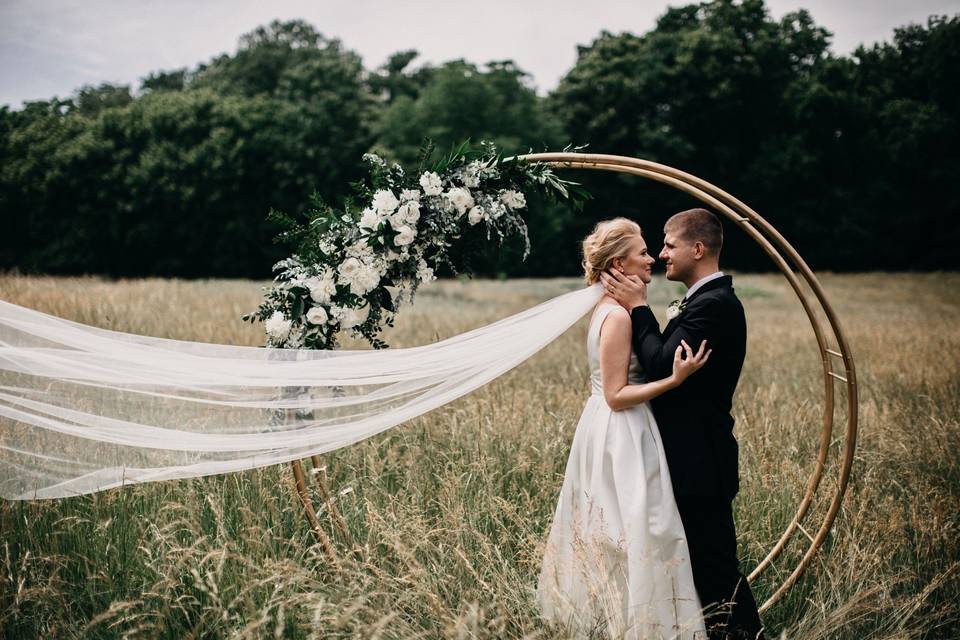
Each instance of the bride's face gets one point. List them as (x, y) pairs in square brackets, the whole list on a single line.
[(637, 262)]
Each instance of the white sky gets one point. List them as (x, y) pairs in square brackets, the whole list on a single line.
[(52, 47)]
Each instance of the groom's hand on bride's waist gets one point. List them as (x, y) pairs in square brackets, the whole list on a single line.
[(629, 291)]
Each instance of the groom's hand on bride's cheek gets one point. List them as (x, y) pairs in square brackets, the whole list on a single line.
[(629, 291)]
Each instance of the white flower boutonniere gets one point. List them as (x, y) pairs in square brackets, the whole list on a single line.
[(675, 308)]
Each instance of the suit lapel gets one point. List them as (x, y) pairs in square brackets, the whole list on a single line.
[(722, 281)]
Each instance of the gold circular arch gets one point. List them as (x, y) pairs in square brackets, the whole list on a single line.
[(831, 344)]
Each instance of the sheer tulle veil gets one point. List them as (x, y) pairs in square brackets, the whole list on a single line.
[(84, 409)]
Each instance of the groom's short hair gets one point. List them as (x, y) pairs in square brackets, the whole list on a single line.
[(698, 225)]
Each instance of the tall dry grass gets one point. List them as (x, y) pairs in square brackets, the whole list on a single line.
[(452, 509)]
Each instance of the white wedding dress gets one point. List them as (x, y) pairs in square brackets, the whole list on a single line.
[(616, 562)]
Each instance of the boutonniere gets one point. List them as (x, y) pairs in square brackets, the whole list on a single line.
[(675, 308)]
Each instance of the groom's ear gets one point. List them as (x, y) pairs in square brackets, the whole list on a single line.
[(699, 250)]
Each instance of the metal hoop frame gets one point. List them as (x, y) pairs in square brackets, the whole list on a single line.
[(831, 345)]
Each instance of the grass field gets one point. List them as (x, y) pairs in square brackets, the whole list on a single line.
[(451, 510)]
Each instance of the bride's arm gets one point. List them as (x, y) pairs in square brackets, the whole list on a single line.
[(615, 335)]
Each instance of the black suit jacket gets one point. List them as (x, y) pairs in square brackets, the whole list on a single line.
[(694, 419)]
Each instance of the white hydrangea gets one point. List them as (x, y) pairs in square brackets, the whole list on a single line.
[(370, 219), (496, 209), (355, 317), (322, 287), (294, 340), (326, 246), (360, 276), (476, 214), (384, 202), (430, 181), (277, 325), (381, 266), (366, 279), (317, 315), (460, 198), (410, 195), (360, 250), (405, 235), (513, 199), (424, 272)]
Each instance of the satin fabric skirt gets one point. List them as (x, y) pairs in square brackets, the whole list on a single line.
[(616, 563)]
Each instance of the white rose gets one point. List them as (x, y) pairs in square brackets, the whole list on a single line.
[(396, 221), (409, 212), (460, 198), (476, 215), (348, 269), (385, 202), (370, 219), (277, 325), (513, 199), (317, 315), (410, 195), (405, 236), (431, 183)]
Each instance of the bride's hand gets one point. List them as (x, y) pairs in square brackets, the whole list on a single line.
[(682, 368)]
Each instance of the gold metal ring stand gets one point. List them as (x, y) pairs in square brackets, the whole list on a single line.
[(831, 344)]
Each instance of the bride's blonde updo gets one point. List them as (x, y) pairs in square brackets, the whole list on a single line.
[(610, 239)]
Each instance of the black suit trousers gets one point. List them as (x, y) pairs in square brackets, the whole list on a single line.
[(730, 610)]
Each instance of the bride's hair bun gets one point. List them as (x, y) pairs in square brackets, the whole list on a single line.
[(610, 239)]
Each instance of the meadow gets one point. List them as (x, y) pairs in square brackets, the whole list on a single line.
[(446, 516)]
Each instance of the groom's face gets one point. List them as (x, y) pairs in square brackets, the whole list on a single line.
[(677, 255)]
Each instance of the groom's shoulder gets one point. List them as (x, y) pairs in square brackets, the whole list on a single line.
[(719, 298)]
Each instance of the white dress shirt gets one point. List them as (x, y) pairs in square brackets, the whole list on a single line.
[(702, 281)]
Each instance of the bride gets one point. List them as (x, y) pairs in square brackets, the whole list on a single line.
[(616, 560)]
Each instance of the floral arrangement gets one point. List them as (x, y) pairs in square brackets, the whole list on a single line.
[(354, 265)]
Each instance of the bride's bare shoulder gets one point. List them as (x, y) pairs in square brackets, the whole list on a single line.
[(616, 320)]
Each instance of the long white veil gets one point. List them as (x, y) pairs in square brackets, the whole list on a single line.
[(84, 409)]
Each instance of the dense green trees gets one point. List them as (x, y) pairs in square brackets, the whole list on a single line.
[(841, 154), (844, 154), (178, 181)]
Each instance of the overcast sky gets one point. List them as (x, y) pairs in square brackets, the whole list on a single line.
[(52, 47)]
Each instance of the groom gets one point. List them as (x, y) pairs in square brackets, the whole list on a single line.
[(694, 418)]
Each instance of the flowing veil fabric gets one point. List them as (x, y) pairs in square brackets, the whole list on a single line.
[(84, 409)]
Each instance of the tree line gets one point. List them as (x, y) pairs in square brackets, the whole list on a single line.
[(853, 158)]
